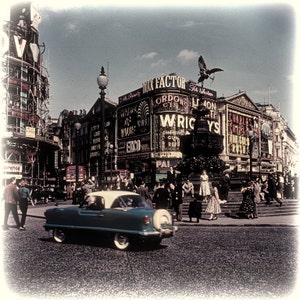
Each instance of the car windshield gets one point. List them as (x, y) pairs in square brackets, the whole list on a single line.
[(130, 201)]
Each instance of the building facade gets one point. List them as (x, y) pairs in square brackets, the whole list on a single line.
[(28, 146), (151, 119), (82, 147)]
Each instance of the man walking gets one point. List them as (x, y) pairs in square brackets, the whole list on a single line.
[(24, 194), (11, 197)]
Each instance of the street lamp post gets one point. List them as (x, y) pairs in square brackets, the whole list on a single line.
[(250, 133), (111, 151), (102, 81), (77, 127)]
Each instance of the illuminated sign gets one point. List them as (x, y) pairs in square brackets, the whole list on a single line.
[(171, 102), (95, 148), (12, 167), (134, 119), (140, 145), (238, 132), (164, 82), (30, 132), (193, 87), (132, 96), (20, 45)]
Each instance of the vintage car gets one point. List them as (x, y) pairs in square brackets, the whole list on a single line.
[(126, 216)]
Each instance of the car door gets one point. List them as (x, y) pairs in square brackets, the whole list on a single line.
[(91, 215)]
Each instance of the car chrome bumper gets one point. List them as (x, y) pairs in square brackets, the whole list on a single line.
[(163, 233)]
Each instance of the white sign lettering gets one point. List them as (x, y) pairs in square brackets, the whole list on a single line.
[(168, 81), (20, 45), (133, 146)]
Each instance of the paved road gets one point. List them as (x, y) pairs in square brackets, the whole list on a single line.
[(200, 262)]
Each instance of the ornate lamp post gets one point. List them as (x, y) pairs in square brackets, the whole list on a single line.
[(250, 134), (111, 151), (77, 127), (102, 81)]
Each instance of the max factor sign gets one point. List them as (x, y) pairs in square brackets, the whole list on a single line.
[(163, 82)]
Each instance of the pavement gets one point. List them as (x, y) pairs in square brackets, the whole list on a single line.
[(37, 211)]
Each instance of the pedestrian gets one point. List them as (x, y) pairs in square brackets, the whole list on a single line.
[(296, 186), (188, 188), (88, 186), (264, 194), (257, 190), (248, 206), (204, 190), (161, 196), (177, 200), (213, 205), (143, 190), (24, 194), (78, 194), (127, 185), (11, 198), (272, 189), (171, 176), (195, 209), (280, 186), (257, 194), (117, 186), (224, 187)]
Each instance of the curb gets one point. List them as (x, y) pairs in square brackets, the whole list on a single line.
[(237, 225), (211, 224)]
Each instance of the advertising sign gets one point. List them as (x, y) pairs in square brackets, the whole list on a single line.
[(206, 93), (171, 81), (171, 102), (133, 146), (134, 119), (132, 96), (238, 133)]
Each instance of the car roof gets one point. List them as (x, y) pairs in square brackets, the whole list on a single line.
[(110, 196)]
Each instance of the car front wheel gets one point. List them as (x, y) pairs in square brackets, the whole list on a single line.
[(59, 235), (121, 241)]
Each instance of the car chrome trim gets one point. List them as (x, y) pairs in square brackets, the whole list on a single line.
[(162, 232)]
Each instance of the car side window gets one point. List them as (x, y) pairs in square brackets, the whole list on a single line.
[(95, 203), (118, 203)]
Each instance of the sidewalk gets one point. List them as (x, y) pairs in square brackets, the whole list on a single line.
[(284, 220)]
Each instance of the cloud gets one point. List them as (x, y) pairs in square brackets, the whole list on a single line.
[(185, 56), (159, 63), (149, 55), (71, 27)]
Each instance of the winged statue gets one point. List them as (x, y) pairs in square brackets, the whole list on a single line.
[(204, 72)]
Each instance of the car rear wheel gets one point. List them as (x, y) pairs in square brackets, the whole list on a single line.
[(59, 235), (121, 241)]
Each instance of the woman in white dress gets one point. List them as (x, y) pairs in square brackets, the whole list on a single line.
[(204, 189), (213, 205)]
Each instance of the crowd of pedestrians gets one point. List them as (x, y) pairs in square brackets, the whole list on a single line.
[(169, 194)]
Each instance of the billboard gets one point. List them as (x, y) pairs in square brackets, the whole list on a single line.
[(134, 119)]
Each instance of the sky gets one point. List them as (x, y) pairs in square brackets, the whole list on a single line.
[(254, 44)]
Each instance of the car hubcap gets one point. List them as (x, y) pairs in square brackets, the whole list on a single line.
[(59, 235), (121, 241)]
